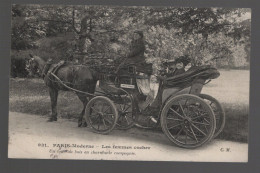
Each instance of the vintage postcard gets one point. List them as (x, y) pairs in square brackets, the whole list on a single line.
[(129, 83)]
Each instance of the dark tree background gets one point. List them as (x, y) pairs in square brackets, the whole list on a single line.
[(101, 35)]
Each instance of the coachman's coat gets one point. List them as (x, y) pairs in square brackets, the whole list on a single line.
[(136, 57)]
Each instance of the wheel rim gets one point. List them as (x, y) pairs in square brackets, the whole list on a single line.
[(188, 121), (101, 115), (218, 112)]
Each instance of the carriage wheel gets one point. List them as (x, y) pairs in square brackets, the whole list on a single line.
[(124, 104), (101, 114), (218, 112), (188, 121)]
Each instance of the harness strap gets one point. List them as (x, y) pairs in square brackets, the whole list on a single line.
[(66, 86), (57, 66), (46, 68)]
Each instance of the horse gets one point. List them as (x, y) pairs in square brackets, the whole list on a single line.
[(76, 76)]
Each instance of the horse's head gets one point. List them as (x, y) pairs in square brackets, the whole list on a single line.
[(33, 66)]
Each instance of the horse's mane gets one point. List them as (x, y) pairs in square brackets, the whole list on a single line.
[(39, 60)]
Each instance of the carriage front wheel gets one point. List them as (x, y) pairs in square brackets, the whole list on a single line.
[(101, 114), (188, 121)]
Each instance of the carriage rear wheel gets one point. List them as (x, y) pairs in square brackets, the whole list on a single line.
[(218, 112), (188, 121), (101, 114)]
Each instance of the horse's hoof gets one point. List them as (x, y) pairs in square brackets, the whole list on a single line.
[(84, 124), (51, 119)]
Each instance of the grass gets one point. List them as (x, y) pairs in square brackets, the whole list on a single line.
[(31, 96), (231, 89)]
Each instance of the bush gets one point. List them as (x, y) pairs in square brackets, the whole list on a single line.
[(18, 68)]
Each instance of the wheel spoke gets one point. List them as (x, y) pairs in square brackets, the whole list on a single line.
[(127, 120), (178, 134), (174, 126), (182, 109), (108, 120), (186, 102), (95, 120), (124, 104), (106, 109), (186, 137), (197, 117), (121, 108), (200, 123), (176, 113), (193, 134), (104, 123), (206, 120), (175, 119), (94, 109), (198, 129), (206, 128), (127, 108)]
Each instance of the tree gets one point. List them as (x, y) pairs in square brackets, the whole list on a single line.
[(101, 34)]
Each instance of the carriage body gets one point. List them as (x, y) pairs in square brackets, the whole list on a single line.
[(180, 95)]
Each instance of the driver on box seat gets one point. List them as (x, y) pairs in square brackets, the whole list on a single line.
[(143, 69)]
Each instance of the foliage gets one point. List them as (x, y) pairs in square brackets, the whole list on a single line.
[(18, 63), (100, 35)]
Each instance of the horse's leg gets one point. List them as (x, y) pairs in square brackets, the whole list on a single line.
[(54, 96), (84, 100)]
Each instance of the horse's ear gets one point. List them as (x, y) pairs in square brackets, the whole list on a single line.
[(31, 55)]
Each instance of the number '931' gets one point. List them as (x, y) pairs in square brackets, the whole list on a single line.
[(42, 145)]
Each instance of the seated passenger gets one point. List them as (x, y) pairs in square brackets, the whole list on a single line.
[(178, 66), (175, 67)]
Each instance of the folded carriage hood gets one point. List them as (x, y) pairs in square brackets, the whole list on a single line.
[(202, 72)]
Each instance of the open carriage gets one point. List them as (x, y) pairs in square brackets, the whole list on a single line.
[(187, 117)]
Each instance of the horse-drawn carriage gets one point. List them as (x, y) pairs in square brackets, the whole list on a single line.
[(187, 117)]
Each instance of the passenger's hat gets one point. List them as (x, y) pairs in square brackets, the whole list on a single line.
[(184, 59)]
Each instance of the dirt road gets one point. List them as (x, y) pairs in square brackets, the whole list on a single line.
[(30, 136)]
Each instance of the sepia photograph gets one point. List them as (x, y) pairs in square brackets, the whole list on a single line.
[(140, 83)]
